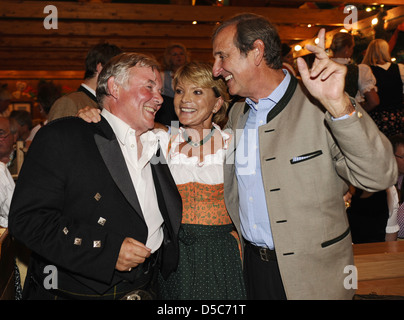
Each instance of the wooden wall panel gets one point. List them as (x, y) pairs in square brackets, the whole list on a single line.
[(25, 44)]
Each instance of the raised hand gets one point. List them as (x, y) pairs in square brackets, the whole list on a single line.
[(326, 80)]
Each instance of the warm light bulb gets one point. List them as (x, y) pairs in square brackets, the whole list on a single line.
[(374, 21), (298, 47)]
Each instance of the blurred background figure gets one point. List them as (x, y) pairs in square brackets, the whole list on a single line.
[(7, 166), (71, 103), (48, 93), (360, 83), (5, 100), (389, 114), (175, 56), (398, 147), (287, 59), (373, 216), (21, 121)]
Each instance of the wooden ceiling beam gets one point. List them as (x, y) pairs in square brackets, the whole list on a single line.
[(393, 17), (107, 29), (161, 13), (336, 3)]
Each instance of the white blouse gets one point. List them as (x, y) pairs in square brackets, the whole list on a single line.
[(186, 169), (6, 193)]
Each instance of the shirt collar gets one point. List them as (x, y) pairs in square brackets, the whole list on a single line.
[(120, 127), (89, 89), (122, 131), (275, 95)]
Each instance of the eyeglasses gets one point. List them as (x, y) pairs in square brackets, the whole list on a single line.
[(4, 135), (401, 157)]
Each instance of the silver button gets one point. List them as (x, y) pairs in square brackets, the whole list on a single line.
[(77, 241), (97, 196), (65, 230), (97, 244), (101, 221)]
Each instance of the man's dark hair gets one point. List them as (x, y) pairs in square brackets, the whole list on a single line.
[(251, 27), (101, 53)]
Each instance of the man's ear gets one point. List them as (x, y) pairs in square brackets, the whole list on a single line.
[(113, 87), (99, 67), (258, 51)]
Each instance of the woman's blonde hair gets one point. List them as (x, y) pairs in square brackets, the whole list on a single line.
[(167, 55), (378, 52), (200, 73)]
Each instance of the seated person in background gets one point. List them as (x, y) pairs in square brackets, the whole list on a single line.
[(69, 104), (8, 137), (373, 215), (6, 192), (22, 122), (7, 155), (398, 147)]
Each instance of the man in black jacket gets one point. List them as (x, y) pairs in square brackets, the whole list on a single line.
[(92, 202)]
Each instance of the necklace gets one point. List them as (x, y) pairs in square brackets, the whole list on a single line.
[(197, 144)]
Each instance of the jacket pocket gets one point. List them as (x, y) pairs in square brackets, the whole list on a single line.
[(335, 240), (306, 156)]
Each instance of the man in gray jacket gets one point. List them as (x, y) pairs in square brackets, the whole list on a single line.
[(292, 159)]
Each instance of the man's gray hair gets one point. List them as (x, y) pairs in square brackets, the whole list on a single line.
[(118, 67)]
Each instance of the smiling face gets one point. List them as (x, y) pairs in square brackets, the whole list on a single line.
[(138, 98), (231, 64), (195, 106)]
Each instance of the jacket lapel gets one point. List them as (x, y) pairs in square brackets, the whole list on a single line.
[(170, 205), (170, 202), (112, 155)]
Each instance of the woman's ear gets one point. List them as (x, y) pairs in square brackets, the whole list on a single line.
[(218, 104)]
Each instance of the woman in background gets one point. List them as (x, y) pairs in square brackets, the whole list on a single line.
[(389, 114), (175, 56)]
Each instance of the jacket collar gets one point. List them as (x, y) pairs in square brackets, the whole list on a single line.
[(282, 102)]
